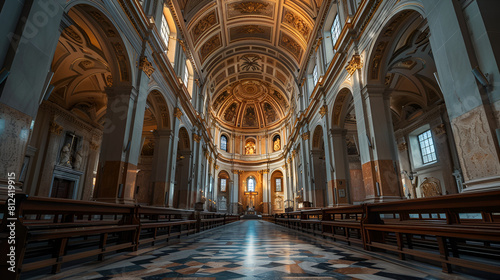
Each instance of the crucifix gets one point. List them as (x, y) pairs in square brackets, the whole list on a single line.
[(251, 195)]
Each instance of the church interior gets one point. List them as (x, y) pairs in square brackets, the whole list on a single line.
[(250, 139)]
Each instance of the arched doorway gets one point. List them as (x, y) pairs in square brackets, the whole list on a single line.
[(319, 167), (406, 67), (152, 166), (182, 170), (223, 191), (72, 121)]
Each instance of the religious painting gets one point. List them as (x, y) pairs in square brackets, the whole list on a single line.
[(230, 113), (269, 113), (250, 147), (250, 117), (276, 143)]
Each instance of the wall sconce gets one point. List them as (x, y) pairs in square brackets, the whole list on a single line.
[(410, 174)]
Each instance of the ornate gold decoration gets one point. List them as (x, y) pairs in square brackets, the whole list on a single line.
[(297, 23), (211, 45), (250, 29), (251, 62), (250, 147), (431, 187), (216, 166), (197, 81), (251, 7), (289, 160), (146, 66), (93, 146), (323, 111), (204, 24), (284, 166), (177, 113), (305, 135), (403, 147), (291, 45), (439, 130), (69, 32), (197, 138), (377, 57), (55, 128), (354, 64), (109, 81), (264, 171), (318, 43)]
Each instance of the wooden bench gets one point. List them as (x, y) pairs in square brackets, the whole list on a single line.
[(61, 224)]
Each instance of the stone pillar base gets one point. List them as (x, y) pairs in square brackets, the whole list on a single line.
[(483, 184)]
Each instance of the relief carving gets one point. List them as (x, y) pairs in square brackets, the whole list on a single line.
[(204, 24), (251, 62), (297, 23), (211, 45), (430, 187), (291, 45), (251, 7)]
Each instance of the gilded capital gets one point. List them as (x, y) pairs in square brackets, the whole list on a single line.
[(354, 64), (146, 66), (177, 113), (55, 128)]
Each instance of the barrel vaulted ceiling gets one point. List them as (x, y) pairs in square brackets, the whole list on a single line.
[(250, 44)]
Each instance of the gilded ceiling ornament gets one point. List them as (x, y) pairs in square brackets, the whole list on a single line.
[(305, 135), (197, 138), (177, 113), (146, 66), (109, 81), (55, 128), (354, 64), (69, 32), (298, 23), (204, 24), (251, 62), (250, 29), (212, 44), (323, 111), (291, 45), (251, 7)]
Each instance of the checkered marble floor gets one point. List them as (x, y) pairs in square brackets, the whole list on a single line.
[(248, 249)]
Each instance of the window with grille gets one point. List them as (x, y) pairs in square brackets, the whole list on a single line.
[(223, 143), (427, 147), (335, 30), (278, 185), (165, 31)]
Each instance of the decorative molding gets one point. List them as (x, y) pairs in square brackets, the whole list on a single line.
[(264, 171), (403, 147), (439, 129), (93, 146), (305, 136), (354, 64), (146, 66), (318, 43), (178, 113), (197, 138), (55, 128), (323, 111)]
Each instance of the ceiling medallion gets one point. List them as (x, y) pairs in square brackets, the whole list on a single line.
[(251, 62), (250, 29), (251, 7)]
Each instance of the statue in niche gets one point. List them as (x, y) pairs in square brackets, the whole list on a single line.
[(250, 148), (277, 144), (65, 155), (78, 160)]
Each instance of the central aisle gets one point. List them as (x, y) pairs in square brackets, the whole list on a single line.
[(250, 249)]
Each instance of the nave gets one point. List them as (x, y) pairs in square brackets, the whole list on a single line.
[(251, 249)]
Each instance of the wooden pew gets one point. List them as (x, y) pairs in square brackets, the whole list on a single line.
[(60, 225)]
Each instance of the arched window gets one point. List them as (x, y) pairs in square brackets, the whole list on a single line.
[(251, 184), (165, 31), (223, 143)]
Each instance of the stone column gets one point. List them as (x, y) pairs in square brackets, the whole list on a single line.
[(265, 190), (88, 189), (235, 191), (172, 160), (473, 108), (327, 139), (306, 163), (160, 159), (51, 157), (195, 174), (121, 145), (377, 145), (341, 165)]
